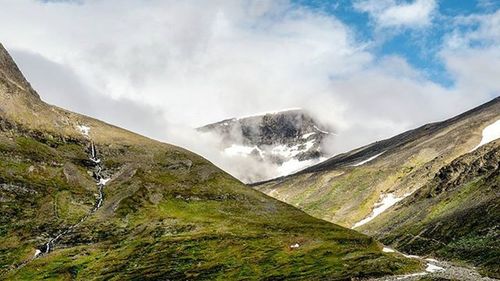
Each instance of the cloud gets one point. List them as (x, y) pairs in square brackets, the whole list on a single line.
[(389, 13), (163, 67), (68, 91), (472, 53), (472, 31)]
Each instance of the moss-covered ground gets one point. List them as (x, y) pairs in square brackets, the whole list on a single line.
[(167, 214)]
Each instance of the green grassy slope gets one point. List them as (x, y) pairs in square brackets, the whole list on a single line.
[(337, 191), (167, 213), (456, 216), (459, 224)]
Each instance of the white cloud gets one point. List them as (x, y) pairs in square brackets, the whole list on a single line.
[(473, 55), (389, 13), (163, 67), (485, 34)]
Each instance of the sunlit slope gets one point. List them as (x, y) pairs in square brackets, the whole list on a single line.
[(346, 188), (455, 216), (166, 214)]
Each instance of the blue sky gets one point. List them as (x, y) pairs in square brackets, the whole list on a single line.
[(418, 46)]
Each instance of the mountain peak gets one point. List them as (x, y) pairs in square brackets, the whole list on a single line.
[(286, 140), (11, 73)]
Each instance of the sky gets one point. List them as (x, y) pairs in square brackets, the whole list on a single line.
[(368, 68)]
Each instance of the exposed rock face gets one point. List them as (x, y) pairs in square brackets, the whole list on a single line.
[(10, 72), (281, 138), (465, 169)]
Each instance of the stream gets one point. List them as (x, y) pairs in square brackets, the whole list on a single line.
[(101, 182), (436, 269)]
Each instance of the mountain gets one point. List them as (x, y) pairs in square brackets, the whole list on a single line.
[(429, 191), (289, 140), (82, 199), (455, 216)]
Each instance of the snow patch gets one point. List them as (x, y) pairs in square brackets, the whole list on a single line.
[(490, 133), (305, 136), (430, 268), (284, 150), (367, 160), (241, 150), (103, 181), (292, 151), (433, 268), (286, 154), (293, 165), (385, 202), (387, 250), (309, 145), (321, 131), (411, 275), (85, 130), (37, 253), (411, 256)]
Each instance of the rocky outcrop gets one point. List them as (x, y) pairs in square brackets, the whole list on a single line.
[(465, 169), (11, 73), (455, 216)]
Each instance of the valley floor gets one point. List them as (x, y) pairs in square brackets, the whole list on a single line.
[(436, 270)]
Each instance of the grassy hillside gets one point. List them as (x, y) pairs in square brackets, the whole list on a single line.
[(167, 214), (346, 189), (455, 217), (341, 191)]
